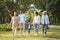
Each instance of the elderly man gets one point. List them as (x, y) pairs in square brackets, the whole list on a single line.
[(45, 22)]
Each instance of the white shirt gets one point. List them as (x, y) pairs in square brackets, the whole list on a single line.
[(14, 20), (45, 19), (36, 19), (22, 18)]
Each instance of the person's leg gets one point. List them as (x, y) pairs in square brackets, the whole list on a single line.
[(23, 25), (14, 30), (26, 26), (45, 29), (21, 29), (36, 29), (29, 28), (47, 26), (44, 33)]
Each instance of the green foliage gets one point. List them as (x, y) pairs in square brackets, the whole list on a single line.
[(5, 27), (53, 8)]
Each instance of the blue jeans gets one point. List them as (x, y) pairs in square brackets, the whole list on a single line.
[(36, 27), (28, 27), (44, 28)]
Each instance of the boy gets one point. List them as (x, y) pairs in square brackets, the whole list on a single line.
[(29, 27)]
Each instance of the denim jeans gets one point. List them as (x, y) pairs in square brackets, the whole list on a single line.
[(44, 28), (29, 27), (36, 27), (22, 27)]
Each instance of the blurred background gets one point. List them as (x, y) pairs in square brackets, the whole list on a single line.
[(7, 7)]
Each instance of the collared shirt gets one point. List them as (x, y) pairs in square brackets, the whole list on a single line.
[(45, 19), (22, 18), (36, 19)]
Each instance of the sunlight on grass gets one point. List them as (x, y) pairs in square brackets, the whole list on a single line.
[(52, 34)]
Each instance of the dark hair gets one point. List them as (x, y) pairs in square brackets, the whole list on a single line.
[(36, 13), (28, 20)]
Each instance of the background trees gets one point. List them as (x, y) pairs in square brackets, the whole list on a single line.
[(7, 7)]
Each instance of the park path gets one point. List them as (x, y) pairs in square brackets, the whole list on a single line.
[(54, 26)]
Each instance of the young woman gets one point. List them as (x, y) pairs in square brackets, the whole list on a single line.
[(14, 22), (36, 22)]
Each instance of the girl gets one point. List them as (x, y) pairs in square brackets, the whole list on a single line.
[(14, 22), (36, 22)]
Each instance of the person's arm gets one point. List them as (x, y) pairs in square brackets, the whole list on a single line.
[(11, 22), (18, 18), (48, 19), (39, 19), (25, 17), (42, 19), (33, 21)]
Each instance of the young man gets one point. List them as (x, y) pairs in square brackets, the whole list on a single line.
[(45, 22), (22, 19), (36, 22)]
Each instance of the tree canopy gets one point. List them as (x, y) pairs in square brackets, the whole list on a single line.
[(7, 7)]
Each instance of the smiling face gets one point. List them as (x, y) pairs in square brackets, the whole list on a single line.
[(15, 14), (36, 14), (44, 12), (20, 11)]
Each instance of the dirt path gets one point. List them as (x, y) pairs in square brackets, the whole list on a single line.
[(54, 26)]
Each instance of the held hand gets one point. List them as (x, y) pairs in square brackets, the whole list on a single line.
[(18, 24)]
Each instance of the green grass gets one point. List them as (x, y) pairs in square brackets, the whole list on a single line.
[(52, 34)]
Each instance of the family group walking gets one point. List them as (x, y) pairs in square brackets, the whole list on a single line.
[(21, 20)]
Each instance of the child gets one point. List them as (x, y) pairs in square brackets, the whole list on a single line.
[(45, 22), (36, 22), (29, 27), (14, 22)]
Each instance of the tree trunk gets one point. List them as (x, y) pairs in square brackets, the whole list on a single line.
[(47, 6)]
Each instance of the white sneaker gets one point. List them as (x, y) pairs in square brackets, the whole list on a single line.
[(44, 34), (36, 34), (28, 34), (20, 35)]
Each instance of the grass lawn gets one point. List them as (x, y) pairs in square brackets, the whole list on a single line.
[(52, 34)]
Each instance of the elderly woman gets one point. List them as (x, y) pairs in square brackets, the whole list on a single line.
[(45, 22)]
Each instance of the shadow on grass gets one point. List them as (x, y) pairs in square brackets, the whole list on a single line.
[(53, 35)]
